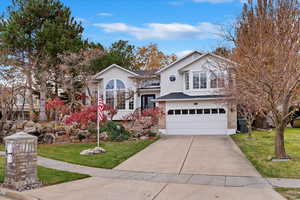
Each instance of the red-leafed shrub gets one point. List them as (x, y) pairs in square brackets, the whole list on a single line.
[(143, 120), (89, 114)]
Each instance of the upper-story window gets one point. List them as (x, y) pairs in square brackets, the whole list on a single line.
[(199, 80), (115, 94), (187, 80), (217, 80), (204, 80)]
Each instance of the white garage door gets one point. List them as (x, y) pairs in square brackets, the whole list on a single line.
[(196, 119)]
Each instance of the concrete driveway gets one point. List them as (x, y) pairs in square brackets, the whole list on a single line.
[(210, 155), (196, 167)]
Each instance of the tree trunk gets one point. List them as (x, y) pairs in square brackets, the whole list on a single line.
[(279, 143), (30, 94), (43, 94)]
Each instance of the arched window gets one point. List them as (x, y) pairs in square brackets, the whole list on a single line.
[(115, 94)]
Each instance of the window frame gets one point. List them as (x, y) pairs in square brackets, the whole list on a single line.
[(119, 88)]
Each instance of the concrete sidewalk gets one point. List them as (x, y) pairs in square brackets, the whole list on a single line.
[(116, 189)]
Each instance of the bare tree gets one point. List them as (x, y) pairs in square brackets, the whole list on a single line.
[(75, 69), (267, 44)]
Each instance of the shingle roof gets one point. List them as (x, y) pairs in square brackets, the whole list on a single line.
[(180, 95), (145, 72)]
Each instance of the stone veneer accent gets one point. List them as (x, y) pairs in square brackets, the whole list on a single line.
[(21, 162), (162, 120), (232, 117)]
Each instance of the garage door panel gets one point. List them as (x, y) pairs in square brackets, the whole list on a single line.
[(196, 124)]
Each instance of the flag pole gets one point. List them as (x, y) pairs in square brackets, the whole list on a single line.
[(98, 120)]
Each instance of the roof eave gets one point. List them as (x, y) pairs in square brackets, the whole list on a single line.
[(176, 61), (191, 99)]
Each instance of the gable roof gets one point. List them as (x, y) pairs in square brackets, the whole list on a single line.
[(117, 66), (176, 61), (208, 54)]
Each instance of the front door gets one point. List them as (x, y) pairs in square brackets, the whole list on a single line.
[(146, 101)]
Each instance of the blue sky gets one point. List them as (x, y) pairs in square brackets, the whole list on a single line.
[(177, 26)]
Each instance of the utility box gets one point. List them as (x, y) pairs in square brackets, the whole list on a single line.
[(21, 162)]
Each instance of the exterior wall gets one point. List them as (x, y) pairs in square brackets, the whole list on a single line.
[(166, 85), (207, 64), (116, 73)]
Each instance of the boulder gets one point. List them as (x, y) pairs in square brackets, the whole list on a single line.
[(29, 124), (48, 138), (96, 150), (144, 138), (103, 136), (30, 130)]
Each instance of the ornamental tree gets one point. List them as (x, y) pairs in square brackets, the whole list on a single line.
[(267, 46), (88, 115)]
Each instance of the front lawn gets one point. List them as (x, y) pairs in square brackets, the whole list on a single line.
[(262, 146), (289, 193), (48, 176), (117, 152)]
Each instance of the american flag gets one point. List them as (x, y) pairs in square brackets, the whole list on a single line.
[(100, 109)]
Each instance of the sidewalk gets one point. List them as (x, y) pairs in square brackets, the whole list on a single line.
[(195, 179)]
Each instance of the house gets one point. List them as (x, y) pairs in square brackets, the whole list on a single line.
[(189, 91)]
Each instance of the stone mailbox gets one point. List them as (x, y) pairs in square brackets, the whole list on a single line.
[(21, 161)]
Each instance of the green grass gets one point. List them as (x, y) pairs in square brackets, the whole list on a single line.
[(289, 193), (48, 176), (262, 146), (117, 152)]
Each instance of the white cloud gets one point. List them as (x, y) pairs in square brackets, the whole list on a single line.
[(104, 14), (203, 30), (82, 20), (180, 54), (212, 1)]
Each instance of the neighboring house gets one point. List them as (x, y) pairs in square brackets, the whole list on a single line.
[(189, 91)]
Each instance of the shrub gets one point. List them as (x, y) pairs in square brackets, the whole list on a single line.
[(115, 131), (151, 134)]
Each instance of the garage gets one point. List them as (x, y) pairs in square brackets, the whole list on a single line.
[(196, 118)]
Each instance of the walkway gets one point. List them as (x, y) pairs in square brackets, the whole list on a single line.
[(195, 179)]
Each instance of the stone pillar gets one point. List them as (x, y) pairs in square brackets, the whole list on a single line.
[(232, 117), (21, 161), (162, 120)]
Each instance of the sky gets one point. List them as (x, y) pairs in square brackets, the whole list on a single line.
[(176, 26)]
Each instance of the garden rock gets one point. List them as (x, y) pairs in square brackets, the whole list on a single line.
[(30, 130), (29, 124), (96, 150), (144, 138), (103, 136)]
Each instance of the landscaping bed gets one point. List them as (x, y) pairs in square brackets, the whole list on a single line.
[(260, 149), (48, 176), (117, 152), (289, 193)]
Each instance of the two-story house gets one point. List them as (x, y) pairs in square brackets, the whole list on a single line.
[(189, 91)]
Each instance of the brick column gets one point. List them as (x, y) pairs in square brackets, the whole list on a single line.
[(21, 161), (162, 120), (232, 117)]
